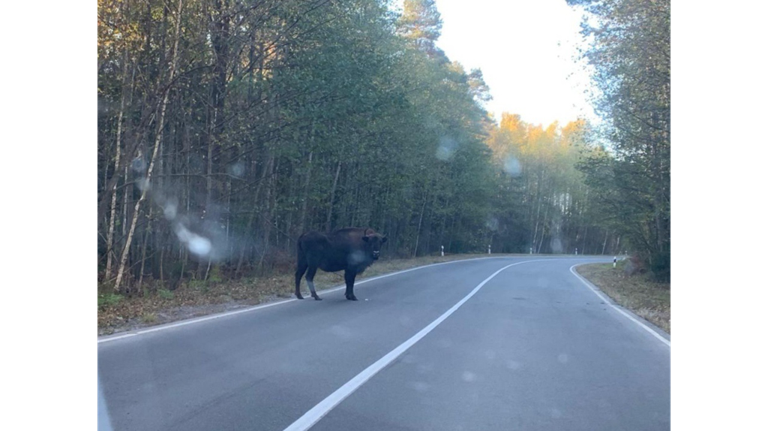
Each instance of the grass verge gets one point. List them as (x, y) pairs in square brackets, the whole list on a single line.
[(645, 297), (198, 298)]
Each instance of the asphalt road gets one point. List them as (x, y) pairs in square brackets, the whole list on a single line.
[(533, 348)]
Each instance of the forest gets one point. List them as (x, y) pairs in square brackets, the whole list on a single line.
[(227, 128)]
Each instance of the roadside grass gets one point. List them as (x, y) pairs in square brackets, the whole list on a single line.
[(639, 293), (194, 298)]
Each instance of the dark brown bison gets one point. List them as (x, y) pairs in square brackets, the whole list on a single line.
[(351, 249)]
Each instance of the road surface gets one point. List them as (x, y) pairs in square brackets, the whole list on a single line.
[(486, 344)]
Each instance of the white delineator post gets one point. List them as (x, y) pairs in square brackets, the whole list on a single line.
[(531, 252), (614, 261), (442, 251), (577, 250), (489, 249)]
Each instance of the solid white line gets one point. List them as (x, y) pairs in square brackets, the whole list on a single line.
[(271, 304), (317, 412), (624, 313), (191, 321)]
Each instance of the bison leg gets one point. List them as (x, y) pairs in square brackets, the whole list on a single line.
[(311, 283), (349, 278), (300, 270)]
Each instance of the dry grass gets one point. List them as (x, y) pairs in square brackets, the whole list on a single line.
[(646, 298), (197, 298)]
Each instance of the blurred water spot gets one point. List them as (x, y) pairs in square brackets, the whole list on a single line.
[(468, 376), (563, 358), (511, 166), (556, 413), (557, 245), (424, 368), (104, 421), (341, 331), (104, 106), (237, 169), (356, 257), (446, 148), (196, 244), (169, 210), (513, 365), (492, 223), (199, 245), (405, 321), (142, 184), (138, 164), (445, 343), (420, 386)]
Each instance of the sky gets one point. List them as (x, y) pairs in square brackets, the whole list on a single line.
[(526, 50)]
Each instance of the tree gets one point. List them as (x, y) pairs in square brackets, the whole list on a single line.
[(228, 130), (630, 59), (421, 24)]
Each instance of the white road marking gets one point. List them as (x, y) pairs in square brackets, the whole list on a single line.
[(624, 313), (317, 412), (259, 307)]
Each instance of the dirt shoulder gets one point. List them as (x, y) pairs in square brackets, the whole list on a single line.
[(197, 298), (646, 298)]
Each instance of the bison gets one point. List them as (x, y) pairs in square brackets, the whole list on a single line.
[(351, 249)]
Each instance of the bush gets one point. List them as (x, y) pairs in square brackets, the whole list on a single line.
[(109, 299), (660, 267)]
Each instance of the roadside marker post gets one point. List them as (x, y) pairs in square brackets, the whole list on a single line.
[(614, 261), (442, 251)]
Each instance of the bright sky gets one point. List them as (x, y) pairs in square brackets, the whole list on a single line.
[(525, 49)]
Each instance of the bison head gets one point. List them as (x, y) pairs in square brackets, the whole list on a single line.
[(373, 243)]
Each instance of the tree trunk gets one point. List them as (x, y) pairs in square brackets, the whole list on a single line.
[(252, 216), (124, 224), (144, 250), (605, 242), (111, 231), (418, 230), (333, 196), (303, 217), (267, 221), (158, 138)]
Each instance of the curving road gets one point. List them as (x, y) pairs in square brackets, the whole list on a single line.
[(486, 344)]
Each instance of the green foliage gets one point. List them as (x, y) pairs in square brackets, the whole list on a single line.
[(149, 318), (165, 293), (214, 276), (630, 57), (109, 299), (420, 22), (198, 285), (542, 202), (294, 115)]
